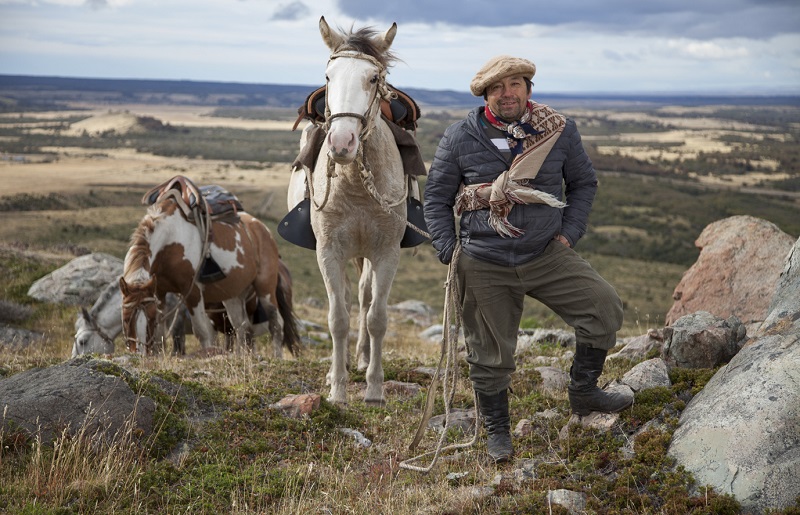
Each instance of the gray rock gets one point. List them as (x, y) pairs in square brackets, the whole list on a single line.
[(553, 379), (462, 419), (648, 374), (528, 337), (15, 338), (76, 396), (574, 502), (79, 282), (638, 347), (702, 340), (741, 433)]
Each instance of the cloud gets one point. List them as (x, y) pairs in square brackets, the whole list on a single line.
[(706, 50), (291, 12), (708, 19)]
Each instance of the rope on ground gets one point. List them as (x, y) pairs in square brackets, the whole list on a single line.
[(452, 327)]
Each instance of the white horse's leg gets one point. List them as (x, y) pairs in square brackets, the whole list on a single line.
[(237, 315), (383, 272), (275, 324), (333, 274), (364, 302), (202, 327)]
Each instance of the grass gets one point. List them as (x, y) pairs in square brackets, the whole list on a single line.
[(219, 446), (237, 454)]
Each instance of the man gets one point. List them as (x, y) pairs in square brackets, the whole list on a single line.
[(503, 170)]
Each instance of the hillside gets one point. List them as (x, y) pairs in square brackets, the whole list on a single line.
[(41, 92), (76, 157), (75, 175)]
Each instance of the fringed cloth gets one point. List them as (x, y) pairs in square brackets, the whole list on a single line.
[(500, 195)]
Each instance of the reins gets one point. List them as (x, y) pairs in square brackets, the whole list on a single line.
[(381, 92), (452, 326)]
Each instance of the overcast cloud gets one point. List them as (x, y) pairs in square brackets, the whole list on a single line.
[(657, 46), (698, 19)]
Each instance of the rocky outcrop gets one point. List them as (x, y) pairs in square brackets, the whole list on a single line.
[(79, 282), (77, 396), (740, 260), (702, 340), (741, 433)]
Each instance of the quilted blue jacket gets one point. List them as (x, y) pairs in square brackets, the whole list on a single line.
[(467, 155)]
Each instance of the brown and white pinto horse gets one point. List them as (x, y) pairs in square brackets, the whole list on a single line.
[(165, 253)]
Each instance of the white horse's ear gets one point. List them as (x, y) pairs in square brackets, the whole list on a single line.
[(388, 37), (332, 39)]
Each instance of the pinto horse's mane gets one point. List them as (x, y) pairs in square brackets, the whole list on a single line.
[(138, 257), (363, 41)]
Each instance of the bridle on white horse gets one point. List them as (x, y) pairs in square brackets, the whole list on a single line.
[(94, 326), (382, 92)]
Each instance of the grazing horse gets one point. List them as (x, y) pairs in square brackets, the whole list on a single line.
[(358, 193), (165, 256), (97, 329)]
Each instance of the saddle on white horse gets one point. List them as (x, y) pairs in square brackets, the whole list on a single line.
[(401, 115)]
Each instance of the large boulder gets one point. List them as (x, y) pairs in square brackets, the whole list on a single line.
[(702, 340), (79, 282), (740, 260), (741, 433), (77, 396)]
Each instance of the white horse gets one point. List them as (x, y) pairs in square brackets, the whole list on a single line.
[(358, 194), (97, 329)]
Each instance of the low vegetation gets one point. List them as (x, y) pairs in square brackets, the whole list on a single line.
[(231, 451)]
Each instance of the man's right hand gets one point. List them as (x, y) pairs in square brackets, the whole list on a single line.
[(446, 254)]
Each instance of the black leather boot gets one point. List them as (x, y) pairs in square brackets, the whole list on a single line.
[(496, 420), (584, 395)]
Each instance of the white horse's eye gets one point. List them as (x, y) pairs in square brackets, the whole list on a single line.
[(374, 79)]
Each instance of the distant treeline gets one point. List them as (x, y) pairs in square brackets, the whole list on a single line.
[(35, 92)]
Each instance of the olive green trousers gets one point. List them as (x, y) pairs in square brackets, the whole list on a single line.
[(492, 298)]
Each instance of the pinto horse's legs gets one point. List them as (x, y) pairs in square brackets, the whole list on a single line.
[(202, 327)]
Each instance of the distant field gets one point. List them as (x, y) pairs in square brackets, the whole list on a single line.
[(74, 178)]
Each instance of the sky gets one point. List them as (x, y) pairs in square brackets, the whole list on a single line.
[(749, 47)]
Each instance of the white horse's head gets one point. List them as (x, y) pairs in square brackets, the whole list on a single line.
[(89, 337), (356, 82)]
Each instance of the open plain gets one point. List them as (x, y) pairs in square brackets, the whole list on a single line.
[(72, 179)]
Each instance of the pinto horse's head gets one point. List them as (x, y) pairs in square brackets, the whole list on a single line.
[(356, 83), (140, 315)]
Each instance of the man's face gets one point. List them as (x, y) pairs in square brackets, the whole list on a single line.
[(507, 98)]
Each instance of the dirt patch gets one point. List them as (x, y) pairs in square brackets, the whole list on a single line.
[(78, 169)]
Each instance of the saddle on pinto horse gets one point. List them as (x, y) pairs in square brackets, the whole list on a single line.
[(201, 206)]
